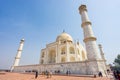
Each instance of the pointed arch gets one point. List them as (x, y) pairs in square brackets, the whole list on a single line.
[(52, 56), (43, 54), (78, 51), (83, 55), (63, 59), (72, 59), (71, 49), (63, 50), (42, 61)]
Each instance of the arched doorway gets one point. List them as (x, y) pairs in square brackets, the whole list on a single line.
[(72, 59), (71, 49), (63, 50), (83, 55), (42, 61), (52, 56), (63, 59)]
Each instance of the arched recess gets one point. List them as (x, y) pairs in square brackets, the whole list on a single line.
[(43, 54), (72, 51), (72, 59), (42, 61), (63, 50), (79, 59), (83, 55), (52, 56), (78, 51), (63, 59)]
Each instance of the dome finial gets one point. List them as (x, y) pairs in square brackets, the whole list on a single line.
[(63, 31)]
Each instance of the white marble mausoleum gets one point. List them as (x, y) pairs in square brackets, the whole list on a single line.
[(63, 50), (64, 54)]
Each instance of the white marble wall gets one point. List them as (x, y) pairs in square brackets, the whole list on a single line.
[(74, 67), (82, 67), (92, 50)]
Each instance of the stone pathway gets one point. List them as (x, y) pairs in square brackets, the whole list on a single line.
[(19, 76)]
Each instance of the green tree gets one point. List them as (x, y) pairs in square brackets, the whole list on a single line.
[(117, 60), (116, 63)]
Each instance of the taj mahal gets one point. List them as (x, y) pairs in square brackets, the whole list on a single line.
[(65, 54), (63, 50)]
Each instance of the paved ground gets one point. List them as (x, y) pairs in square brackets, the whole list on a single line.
[(19, 76)]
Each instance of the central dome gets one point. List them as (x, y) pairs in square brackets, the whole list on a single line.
[(64, 37)]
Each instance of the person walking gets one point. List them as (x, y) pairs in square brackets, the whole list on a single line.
[(36, 74), (118, 74), (50, 73), (67, 72), (47, 74), (100, 74)]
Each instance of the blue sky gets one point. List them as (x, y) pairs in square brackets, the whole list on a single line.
[(39, 22)]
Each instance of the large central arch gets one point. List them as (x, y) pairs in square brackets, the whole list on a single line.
[(52, 56)]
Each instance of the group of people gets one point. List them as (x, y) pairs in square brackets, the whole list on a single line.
[(68, 73), (57, 71), (116, 74), (48, 74), (100, 74)]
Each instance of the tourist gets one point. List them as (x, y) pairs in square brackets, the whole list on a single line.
[(67, 73), (43, 73), (50, 74), (100, 74), (108, 71), (47, 74), (115, 74), (36, 74), (118, 75), (58, 71)]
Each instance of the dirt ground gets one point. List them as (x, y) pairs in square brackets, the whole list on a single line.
[(20, 76)]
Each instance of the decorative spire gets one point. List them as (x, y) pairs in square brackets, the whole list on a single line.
[(63, 31), (101, 51)]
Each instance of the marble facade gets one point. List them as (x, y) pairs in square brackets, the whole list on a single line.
[(64, 54)]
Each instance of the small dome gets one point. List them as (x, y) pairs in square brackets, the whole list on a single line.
[(64, 36), (23, 39)]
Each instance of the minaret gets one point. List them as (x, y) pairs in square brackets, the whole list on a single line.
[(89, 38), (103, 57), (94, 63), (18, 56), (101, 51)]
